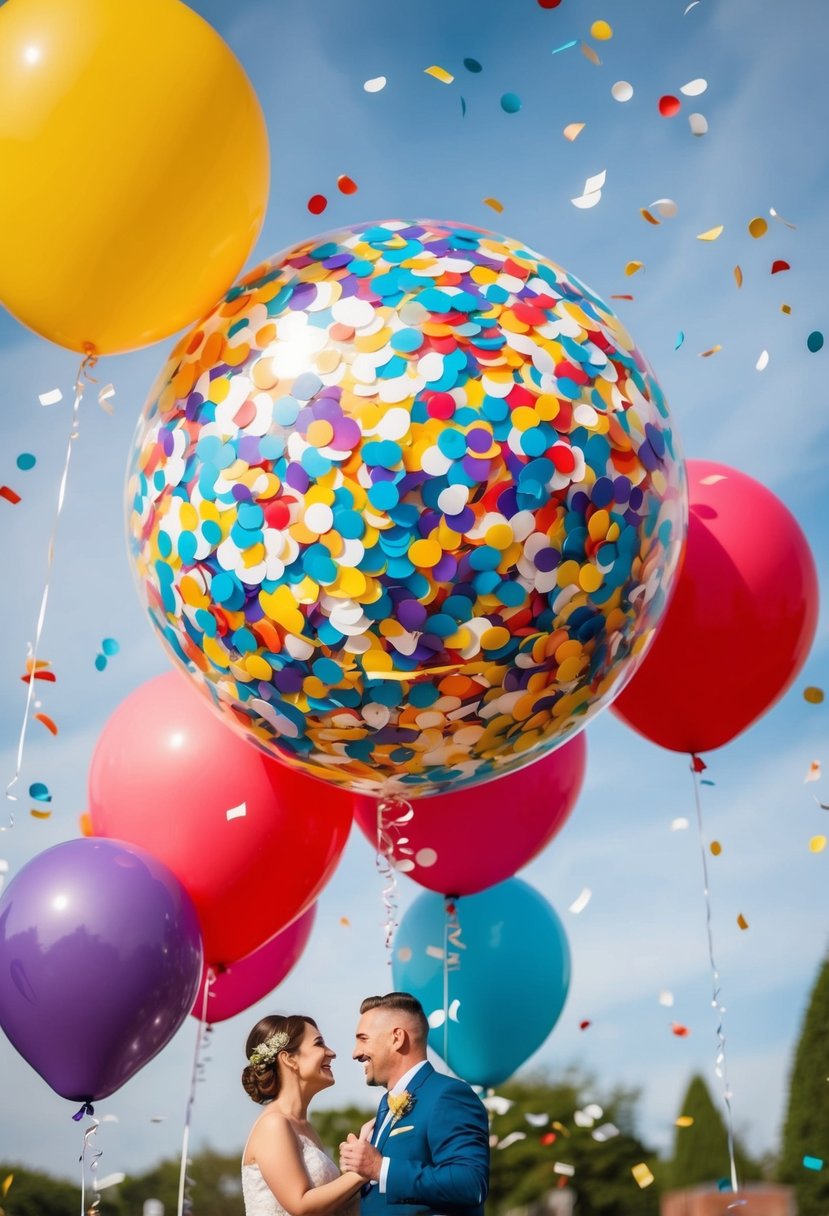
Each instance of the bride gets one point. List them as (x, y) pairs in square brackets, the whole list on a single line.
[(285, 1170)]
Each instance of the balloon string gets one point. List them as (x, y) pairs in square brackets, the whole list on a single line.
[(32, 650), (452, 945), (720, 1067), (94, 1207), (185, 1204), (391, 813)]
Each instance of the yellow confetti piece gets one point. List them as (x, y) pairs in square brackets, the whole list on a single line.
[(7, 1181), (573, 130), (757, 227), (715, 847), (817, 844), (601, 31), (712, 233), (742, 922), (590, 54), (495, 204), (738, 276), (787, 309), (642, 1175), (632, 267), (36, 814), (684, 1121), (345, 922), (439, 73), (813, 695), (712, 350), (646, 215)]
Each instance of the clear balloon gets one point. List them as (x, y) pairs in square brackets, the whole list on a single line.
[(741, 621), (100, 956), (493, 985), (251, 840), (406, 503), (461, 842)]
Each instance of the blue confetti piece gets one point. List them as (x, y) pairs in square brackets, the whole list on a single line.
[(566, 46), (510, 103), (39, 792), (680, 338), (26, 461), (813, 1163)]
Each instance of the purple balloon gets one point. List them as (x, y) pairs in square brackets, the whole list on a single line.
[(100, 958)]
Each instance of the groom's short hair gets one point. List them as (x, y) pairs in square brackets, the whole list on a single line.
[(405, 1003)]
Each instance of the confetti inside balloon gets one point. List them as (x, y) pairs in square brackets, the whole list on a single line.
[(408, 504)]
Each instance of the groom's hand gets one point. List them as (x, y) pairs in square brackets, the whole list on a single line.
[(361, 1157)]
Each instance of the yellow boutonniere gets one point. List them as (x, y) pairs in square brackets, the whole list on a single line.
[(400, 1104)]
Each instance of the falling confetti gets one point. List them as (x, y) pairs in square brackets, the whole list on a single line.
[(39, 792), (109, 647), (712, 350), (698, 124), (590, 54), (592, 191), (512, 1138), (680, 338), (106, 396), (679, 1030), (317, 203), (646, 215), (813, 695), (716, 848), (813, 773), (549, 3), (38, 814), (666, 998), (787, 309), (642, 1175), (684, 1121), (346, 184), (712, 233), (472, 65), (53, 396), (581, 901), (10, 495), (563, 1167), (631, 268), (537, 1119), (495, 204), (621, 296), (345, 922), (738, 276), (762, 362), (573, 130), (601, 31), (779, 265), (26, 461), (757, 227), (375, 85), (814, 342), (583, 1025), (565, 46), (694, 87), (48, 722), (669, 105), (439, 73), (813, 1163), (679, 824), (666, 207), (817, 844), (742, 922), (510, 103), (622, 90)]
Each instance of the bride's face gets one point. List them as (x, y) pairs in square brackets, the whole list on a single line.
[(313, 1059)]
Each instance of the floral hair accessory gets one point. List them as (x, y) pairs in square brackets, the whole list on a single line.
[(267, 1052), (400, 1104)]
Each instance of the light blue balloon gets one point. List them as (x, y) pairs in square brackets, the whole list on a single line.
[(511, 979)]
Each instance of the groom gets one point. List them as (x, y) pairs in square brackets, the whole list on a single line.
[(429, 1151)]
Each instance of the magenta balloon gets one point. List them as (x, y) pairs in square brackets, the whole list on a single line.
[(463, 842), (244, 983), (100, 956)]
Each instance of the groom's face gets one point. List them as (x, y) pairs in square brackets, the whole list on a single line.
[(374, 1046)]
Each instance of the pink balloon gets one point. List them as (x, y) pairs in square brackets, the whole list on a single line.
[(252, 841), (244, 983), (739, 625), (463, 842)]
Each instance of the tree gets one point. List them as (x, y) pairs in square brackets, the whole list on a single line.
[(701, 1150), (806, 1127), (31, 1193)]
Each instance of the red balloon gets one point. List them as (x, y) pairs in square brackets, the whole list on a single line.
[(462, 842), (739, 625), (252, 841), (244, 983)]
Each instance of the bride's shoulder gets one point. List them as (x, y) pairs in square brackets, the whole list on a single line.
[(271, 1123)]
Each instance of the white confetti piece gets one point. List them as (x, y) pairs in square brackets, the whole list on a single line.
[(694, 87), (679, 824), (813, 773), (666, 998), (666, 207), (436, 1018), (497, 1104), (51, 398), (763, 361), (512, 1138), (592, 191), (563, 1167), (540, 1120), (582, 1119), (593, 1110), (698, 124), (581, 901), (101, 1184), (606, 1132), (236, 812), (622, 90), (375, 84)]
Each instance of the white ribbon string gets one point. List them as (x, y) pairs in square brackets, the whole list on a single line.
[(391, 813), (89, 1132), (185, 1205)]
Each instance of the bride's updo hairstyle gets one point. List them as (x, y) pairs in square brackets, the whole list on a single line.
[(268, 1039)]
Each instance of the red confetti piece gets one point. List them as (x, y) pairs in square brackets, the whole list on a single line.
[(317, 204), (49, 676), (8, 493), (669, 105), (583, 1025), (779, 265), (548, 1138), (47, 722), (346, 184), (679, 1030), (621, 297), (549, 3)]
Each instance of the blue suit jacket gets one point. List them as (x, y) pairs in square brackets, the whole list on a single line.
[(438, 1152)]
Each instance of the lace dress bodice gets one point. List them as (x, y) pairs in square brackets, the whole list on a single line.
[(260, 1199)]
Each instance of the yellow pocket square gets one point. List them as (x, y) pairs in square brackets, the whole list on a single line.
[(395, 1131)]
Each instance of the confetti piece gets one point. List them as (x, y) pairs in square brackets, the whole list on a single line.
[(9, 494), (472, 65), (622, 90), (560, 1128), (813, 695), (592, 191), (564, 1168), (593, 1110), (105, 396), (510, 103), (777, 216), (646, 215), (642, 1175), (715, 847), (694, 87), (236, 812), (684, 1121), (345, 922), (698, 124), (547, 1139), (817, 844), (375, 85), (537, 1119), (712, 233), (679, 1030), (439, 73), (51, 398), (666, 207), (317, 203), (585, 201), (712, 350), (631, 268), (110, 646), (573, 130), (814, 342), (669, 105), (39, 792), (463, 107), (26, 461), (738, 276), (813, 773), (346, 184), (688, 8), (565, 46), (590, 54), (495, 204), (601, 31), (48, 722), (779, 265), (512, 1138), (742, 922), (85, 824), (787, 309), (581, 901), (38, 814), (8, 1180), (762, 362), (757, 227), (680, 338), (621, 296), (666, 998), (549, 3), (811, 1163), (679, 824), (583, 1025)]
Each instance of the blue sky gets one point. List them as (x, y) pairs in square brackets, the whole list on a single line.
[(414, 154)]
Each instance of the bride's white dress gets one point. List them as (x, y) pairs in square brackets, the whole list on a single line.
[(260, 1199)]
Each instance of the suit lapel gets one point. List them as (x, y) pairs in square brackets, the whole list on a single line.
[(417, 1080)]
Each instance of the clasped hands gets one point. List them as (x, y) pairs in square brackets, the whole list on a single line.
[(357, 1153)]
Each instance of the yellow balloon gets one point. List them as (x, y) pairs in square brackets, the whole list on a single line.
[(134, 168)]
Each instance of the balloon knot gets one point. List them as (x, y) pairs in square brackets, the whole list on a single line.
[(86, 1109)]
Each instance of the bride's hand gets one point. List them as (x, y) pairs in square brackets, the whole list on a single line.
[(367, 1130)]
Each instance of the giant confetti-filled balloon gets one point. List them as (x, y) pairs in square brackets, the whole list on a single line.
[(408, 503), (134, 156)]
